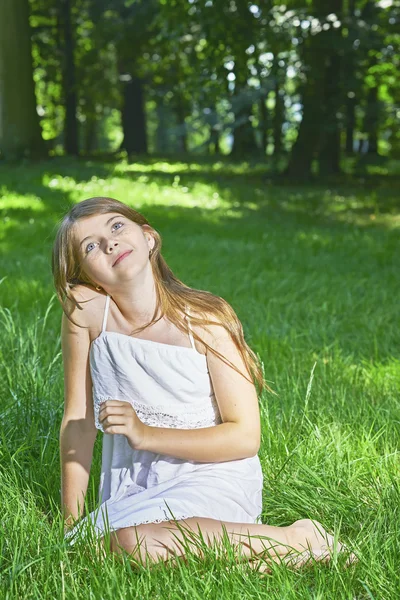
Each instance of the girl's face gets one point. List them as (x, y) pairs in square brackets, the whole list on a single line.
[(101, 239)]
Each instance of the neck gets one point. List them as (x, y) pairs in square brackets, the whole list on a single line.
[(136, 300)]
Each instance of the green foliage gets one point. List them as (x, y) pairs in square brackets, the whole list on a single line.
[(229, 72)]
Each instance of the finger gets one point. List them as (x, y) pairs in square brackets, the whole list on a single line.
[(113, 420), (114, 402), (121, 429), (352, 559), (122, 413), (113, 410)]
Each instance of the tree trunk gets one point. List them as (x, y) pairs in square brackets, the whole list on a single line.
[(264, 124), (305, 147), (244, 143), (90, 133), (329, 154), (371, 120), (162, 138), (213, 140), (279, 115), (350, 81), (318, 135), (20, 134), (264, 118), (134, 117), (71, 144), (182, 134), (350, 124)]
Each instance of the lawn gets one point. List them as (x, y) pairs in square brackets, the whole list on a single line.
[(312, 272)]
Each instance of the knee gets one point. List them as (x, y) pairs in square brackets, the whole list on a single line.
[(150, 542), (142, 544), (126, 539)]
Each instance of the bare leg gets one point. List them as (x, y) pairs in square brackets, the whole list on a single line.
[(258, 543)]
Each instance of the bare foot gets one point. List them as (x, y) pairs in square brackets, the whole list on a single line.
[(313, 542)]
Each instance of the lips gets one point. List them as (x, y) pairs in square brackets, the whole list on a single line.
[(121, 257)]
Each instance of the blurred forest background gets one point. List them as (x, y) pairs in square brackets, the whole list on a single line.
[(309, 87)]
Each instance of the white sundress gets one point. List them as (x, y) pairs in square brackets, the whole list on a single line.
[(168, 386)]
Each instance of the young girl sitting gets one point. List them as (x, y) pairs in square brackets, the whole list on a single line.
[(164, 372)]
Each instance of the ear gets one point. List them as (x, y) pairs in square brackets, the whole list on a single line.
[(147, 234)]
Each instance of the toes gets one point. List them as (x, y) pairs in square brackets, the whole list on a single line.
[(318, 544), (352, 559)]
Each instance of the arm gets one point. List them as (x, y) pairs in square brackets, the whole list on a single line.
[(239, 434), (77, 431), (76, 452)]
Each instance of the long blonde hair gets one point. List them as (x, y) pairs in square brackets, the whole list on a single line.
[(173, 296)]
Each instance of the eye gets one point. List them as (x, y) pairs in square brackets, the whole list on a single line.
[(91, 243), (87, 247)]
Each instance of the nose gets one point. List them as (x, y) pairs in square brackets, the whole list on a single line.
[(110, 245)]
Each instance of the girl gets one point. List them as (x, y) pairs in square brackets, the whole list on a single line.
[(164, 372)]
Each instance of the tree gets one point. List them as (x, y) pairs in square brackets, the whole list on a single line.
[(68, 69), (350, 81), (20, 134), (318, 135), (135, 24)]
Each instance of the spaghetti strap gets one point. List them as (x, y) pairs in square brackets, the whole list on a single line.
[(105, 313), (190, 329)]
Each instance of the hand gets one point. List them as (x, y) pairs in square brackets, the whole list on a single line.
[(119, 416), (67, 527), (69, 523)]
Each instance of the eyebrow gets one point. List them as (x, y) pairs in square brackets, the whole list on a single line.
[(89, 236)]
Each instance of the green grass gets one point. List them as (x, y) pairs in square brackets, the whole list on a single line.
[(312, 272)]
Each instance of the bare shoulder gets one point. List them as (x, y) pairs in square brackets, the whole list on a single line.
[(217, 336), (90, 311), (76, 337), (214, 332)]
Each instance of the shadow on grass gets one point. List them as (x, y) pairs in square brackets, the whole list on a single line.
[(324, 201), (263, 248)]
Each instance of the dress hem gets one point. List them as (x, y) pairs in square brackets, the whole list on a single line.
[(180, 518), (102, 532)]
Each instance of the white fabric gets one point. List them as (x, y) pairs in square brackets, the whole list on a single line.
[(168, 386)]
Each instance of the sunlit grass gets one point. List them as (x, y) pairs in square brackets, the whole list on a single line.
[(312, 272)]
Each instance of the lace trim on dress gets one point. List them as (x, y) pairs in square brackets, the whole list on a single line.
[(157, 417), (162, 520)]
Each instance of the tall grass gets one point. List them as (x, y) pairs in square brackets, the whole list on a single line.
[(312, 273)]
